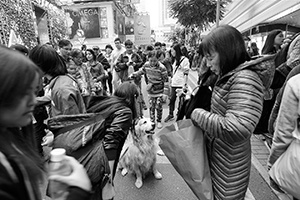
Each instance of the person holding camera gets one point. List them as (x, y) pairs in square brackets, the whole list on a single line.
[(157, 76), (128, 62)]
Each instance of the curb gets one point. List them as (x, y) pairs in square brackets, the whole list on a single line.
[(265, 175)]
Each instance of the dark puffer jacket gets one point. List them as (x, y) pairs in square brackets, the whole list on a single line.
[(236, 107)]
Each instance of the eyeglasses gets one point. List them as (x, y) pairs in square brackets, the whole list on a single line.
[(96, 49)]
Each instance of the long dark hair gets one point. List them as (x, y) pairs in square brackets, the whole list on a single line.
[(229, 43), (48, 60), (269, 44), (124, 95), (179, 54), (16, 75), (184, 51), (93, 54)]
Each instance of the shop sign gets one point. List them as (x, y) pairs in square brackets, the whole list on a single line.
[(142, 31), (83, 23)]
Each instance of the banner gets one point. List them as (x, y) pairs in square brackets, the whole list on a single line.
[(43, 31), (142, 31), (83, 23), (13, 39)]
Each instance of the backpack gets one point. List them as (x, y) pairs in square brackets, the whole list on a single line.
[(82, 137)]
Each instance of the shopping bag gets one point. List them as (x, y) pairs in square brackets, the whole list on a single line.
[(183, 144), (286, 172)]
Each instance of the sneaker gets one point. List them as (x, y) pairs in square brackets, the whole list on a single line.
[(159, 125), (169, 118)]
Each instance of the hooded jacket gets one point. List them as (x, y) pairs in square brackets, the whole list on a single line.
[(156, 75), (236, 107), (287, 125), (65, 97)]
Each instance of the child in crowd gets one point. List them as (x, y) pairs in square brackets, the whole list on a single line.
[(73, 71), (167, 63), (157, 76), (99, 74)]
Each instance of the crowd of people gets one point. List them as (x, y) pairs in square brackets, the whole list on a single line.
[(70, 81), (253, 92)]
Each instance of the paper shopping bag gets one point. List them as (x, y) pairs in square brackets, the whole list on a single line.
[(286, 170), (183, 144)]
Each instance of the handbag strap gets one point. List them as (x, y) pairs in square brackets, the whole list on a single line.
[(197, 87), (93, 119), (178, 65)]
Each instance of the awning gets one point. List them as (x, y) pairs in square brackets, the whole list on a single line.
[(245, 14)]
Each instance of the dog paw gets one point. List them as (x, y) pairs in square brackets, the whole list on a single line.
[(157, 175), (124, 172), (138, 183)]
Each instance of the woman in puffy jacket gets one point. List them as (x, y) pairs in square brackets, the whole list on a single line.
[(236, 106), (21, 167)]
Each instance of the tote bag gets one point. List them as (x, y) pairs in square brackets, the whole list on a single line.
[(183, 144)]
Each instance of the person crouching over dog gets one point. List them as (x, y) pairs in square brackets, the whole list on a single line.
[(157, 76)]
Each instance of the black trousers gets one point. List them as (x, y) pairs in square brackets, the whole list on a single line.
[(109, 82), (262, 126)]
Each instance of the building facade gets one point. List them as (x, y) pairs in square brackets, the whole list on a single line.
[(95, 23)]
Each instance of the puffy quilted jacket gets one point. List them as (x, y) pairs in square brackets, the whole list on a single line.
[(236, 107)]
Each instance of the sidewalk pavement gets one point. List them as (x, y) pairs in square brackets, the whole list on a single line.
[(260, 152)]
